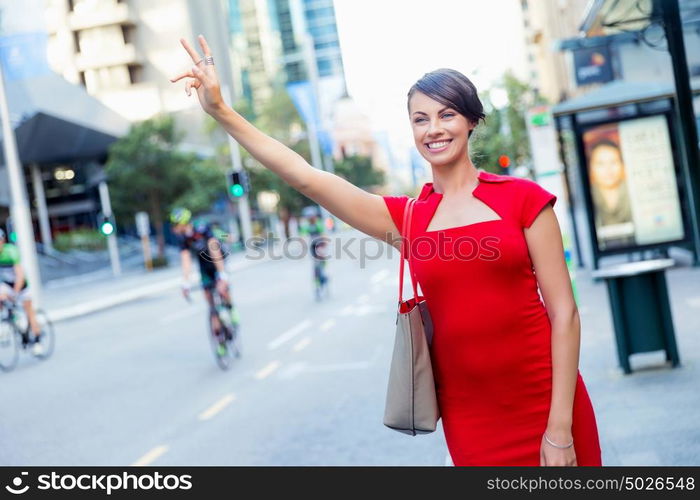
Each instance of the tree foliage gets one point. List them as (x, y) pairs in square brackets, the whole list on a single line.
[(494, 138), (146, 172), (358, 170)]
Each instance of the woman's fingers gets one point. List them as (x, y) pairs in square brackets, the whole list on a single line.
[(181, 76), (193, 53), (205, 46), (192, 84)]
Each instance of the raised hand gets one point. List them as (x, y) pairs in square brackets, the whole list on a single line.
[(202, 77)]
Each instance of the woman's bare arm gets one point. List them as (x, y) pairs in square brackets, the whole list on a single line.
[(364, 211), (546, 250)]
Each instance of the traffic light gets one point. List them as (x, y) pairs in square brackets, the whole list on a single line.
[(237, 183), (504, 161), (106, 225)]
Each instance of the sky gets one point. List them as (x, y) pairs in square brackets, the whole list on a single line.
[(388, 44)]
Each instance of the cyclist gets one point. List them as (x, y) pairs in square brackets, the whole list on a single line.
[(318, 246), (13, 286), (199, 239)]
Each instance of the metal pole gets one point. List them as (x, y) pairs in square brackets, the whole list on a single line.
[(42, 213), (112, 238), (237, 164), (21, 215), (312, 74), (684, 107)]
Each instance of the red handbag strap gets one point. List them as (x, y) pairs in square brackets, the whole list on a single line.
[(406, 249)]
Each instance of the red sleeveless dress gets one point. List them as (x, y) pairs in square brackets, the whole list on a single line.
[(491, 348)]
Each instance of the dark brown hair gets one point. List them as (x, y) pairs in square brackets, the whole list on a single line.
[(453, 89)]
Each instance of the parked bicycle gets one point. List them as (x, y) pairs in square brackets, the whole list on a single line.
[(16, 335)]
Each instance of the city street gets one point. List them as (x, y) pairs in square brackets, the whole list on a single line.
[(138, 383)]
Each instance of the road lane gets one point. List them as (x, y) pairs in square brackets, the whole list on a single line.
[(137, 378)]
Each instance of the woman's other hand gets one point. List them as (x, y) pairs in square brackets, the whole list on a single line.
[(551, 456), (202, 77)]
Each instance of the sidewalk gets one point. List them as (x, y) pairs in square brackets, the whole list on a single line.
[(84, 294), (649, 417)]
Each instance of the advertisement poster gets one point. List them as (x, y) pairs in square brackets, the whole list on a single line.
[(633, 183)]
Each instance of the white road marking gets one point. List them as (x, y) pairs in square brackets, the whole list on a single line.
[(289, 335), (151, 456), (301, 344), (217, 407), (379, 276), (267, 370), (327, 325)]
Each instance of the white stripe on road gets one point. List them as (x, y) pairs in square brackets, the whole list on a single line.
[(267, 370), (327, 325), (379, 276), (217, 407), (301, 344), (289, 334), (151, 456)]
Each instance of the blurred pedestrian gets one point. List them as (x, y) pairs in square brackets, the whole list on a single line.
[(506, 367)]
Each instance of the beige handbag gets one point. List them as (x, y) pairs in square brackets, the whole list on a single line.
[(411, 402)]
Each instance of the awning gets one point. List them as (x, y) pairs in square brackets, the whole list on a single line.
[(618, 93), (57, 121)]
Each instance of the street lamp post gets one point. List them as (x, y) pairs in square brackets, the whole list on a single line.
[(18, 193)]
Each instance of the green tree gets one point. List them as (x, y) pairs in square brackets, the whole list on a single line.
[(147, 173), (489, 140), (358, 170)]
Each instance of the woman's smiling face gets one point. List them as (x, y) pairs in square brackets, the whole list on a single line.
[(439, 132)]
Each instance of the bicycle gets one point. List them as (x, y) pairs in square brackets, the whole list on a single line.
[(320, 256), (15, 333), (224, 331)]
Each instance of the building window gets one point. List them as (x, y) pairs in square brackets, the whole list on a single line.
[(128, 33), (135, 73)]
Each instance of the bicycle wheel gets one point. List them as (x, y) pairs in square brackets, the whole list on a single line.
[(218, 339), (48, 337), (9, 346)]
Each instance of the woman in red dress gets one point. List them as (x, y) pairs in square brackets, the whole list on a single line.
[(484, 247)]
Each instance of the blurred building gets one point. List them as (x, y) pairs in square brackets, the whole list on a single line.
[(545, 22), (256, 51), (296, 18), (124, 52), (353, 135)]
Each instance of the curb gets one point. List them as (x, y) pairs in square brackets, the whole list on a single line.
[(133, 294)]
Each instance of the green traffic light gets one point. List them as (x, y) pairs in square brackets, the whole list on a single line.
[(13, 237), (107, 228), (237, 190)]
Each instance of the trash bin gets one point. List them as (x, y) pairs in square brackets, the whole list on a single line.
[(641, 309)]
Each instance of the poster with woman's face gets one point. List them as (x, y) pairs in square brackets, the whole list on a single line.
[(633, 183)]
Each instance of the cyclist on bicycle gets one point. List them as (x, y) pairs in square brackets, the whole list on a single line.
[(199, 239), (14, 286), (318, 246)]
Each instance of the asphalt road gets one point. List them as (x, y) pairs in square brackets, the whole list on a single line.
[(137, 384)]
